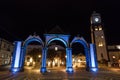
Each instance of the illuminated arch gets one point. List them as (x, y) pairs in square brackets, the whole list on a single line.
[(31, 39), (59, 39), (86, 49), (79, 40), (26, 42)]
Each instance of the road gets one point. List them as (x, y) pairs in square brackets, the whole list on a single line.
[(60, 74)]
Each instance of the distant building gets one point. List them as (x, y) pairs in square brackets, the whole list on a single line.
[(55, 52), (114, 55), (6, 49)]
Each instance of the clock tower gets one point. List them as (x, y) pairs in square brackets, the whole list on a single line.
[(98, 37)]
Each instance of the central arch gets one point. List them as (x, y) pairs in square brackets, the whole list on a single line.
[(57, 49), (65, 40)]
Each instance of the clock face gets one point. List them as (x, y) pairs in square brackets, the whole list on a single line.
[(96, 19)]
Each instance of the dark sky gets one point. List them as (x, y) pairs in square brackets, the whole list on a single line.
[(20, 18)]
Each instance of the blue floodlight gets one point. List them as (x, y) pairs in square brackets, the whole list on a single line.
[(69, 70), (94, 69), (43, 70)]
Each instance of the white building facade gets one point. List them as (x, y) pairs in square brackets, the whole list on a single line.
[(6, 49)]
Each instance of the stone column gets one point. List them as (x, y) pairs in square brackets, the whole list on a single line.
[(22, 58), (87, 54), (69, 67), (93, 58), (15, 66), (44, 55)]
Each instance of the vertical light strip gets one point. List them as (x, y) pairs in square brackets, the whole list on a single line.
[(92, 55), (17, 56)]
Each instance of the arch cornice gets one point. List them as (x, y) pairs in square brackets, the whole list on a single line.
[(79, 39), (33, 38), (60, 37)]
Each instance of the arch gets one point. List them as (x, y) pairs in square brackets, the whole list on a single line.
[(86, 49), (31, 39), (79, 40), (26, 42), (59, 39), (69, 68)]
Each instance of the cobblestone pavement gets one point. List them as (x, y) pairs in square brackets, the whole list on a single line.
[(78, 74)]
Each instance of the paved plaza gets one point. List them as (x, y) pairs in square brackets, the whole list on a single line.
[(60, 74)]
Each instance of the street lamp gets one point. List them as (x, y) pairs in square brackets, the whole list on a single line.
[(56, 48), (113, 57), (31, 60), (39, 56), (118, 46)]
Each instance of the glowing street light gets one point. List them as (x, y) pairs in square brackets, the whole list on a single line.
[(39, 56), (31, 59), (56, 48), (118, 46), (65, 56), (113, 57)]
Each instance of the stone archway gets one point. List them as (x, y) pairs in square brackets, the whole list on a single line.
[(20, 49), (65, 40), (20, 52), (91, 61)]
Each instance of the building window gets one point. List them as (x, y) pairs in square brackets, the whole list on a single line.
[(96, 29), (102, 55), (8, 48), (113, 57), (6, 62), (102, 37), (2, 56), (100, 28), (100, 44), (4, 46)]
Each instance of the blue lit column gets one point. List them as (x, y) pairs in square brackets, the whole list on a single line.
[(69, 67), (22, 59), (15, 66), (43, 67), (93, 57), (87, 58)]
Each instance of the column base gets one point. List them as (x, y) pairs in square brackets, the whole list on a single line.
[(69, 70), (14, 70), (43, 70), (93, 69), (88, 69)]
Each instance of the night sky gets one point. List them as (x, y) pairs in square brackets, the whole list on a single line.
[(20, 18)]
